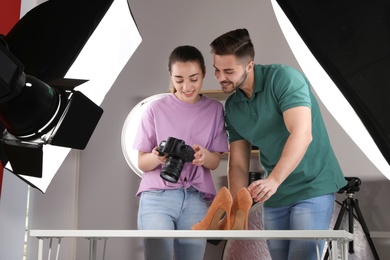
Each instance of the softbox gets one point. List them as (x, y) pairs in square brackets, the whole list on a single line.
[(351, 39), (89, 40)]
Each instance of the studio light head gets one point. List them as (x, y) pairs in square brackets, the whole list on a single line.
[(35, 114), (353, 185)]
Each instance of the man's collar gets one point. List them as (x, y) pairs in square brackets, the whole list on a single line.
[(259, 86)]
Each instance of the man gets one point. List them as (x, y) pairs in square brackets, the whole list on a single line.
[(273, 108)]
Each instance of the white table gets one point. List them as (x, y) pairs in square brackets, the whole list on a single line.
[(338, 238)]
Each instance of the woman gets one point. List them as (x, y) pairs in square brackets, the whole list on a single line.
[(198, 121)]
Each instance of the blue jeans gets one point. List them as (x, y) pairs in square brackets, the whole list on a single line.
[(313, 214), (176, 209)]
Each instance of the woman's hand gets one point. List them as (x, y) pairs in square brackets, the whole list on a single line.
[(161, 158), (148, 161), (200, 155)]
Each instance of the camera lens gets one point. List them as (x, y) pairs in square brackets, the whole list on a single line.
[(172, 169)]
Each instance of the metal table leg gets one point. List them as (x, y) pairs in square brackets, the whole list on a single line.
[(40, 248), (345, 249), (92, 248), (335, 251)]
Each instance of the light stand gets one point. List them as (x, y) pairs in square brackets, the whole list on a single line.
[(351, 204)]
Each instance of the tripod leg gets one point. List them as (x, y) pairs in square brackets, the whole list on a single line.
[(340, 216), (337, 226), (355, 204), (350, 221)]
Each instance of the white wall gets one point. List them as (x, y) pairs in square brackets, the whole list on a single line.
[(57, 207), (13, 202), (107, 185)]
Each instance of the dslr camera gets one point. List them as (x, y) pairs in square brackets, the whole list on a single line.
[(178, 153)]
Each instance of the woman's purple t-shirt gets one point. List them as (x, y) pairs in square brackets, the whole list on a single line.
[(200, 123)]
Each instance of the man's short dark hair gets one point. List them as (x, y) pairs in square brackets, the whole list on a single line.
[(236, 42)]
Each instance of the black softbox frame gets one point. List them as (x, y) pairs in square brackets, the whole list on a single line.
[(351, 41), (47, 40)]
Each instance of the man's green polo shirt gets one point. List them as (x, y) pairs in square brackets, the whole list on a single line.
[(259, 120)]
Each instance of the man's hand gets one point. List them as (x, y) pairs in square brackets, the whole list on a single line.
[(262, 190)]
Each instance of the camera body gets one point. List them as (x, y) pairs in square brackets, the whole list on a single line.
[(178, 153)]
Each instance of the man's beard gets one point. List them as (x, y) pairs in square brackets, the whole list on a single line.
[(239, 83)]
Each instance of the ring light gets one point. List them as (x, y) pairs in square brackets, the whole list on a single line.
[(129, 131)]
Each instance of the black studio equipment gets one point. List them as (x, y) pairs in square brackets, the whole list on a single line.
[(35, 113), (350, 40), (350, 206), (56, 68)]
